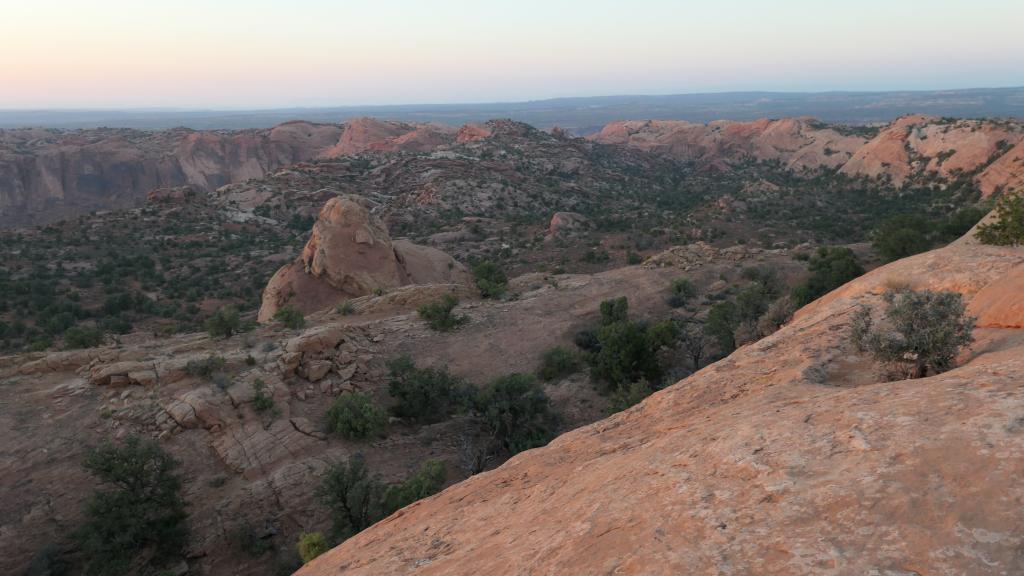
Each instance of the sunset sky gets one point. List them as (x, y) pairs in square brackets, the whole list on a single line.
[(273, 53)]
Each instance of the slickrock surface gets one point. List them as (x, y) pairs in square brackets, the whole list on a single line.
[(788, 457)]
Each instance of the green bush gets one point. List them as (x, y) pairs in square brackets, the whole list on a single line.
[(261, 401), (346, 308), (628, 351), (138, 508), (1008, 227), (427, 481), (290, 316), (439, 315), (205, 368), (723, 319), (78, 337), (424, 394), (224, 322), (901, 236), (354, 498), (614, 310), (557, 363), (490, 279), (355, 416), (924, 331), (515, 413), (628, 395), (681, 291), (311, 545), (830, 268)]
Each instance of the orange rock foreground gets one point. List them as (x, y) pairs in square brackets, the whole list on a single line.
[(788, 457)]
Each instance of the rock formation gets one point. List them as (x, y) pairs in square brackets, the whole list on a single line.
[(788, 457), (989, 151), (350, 254)]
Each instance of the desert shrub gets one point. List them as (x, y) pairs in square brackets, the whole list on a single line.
[(224, 322), (901, 236), (252, 541), (354, 498), (261, 401), (206, 367), (694, 340), (628, 351), (614, 310), (424, 394), (558, 362), (722, 321), (778, 313), (139, 507), (346, 308), (311, 545), (681, 291), (50, 561), (1008, 227), (628, 395), (924, 331), (439, 314), (960, 223), (490, 279), (830, 268), (427, 481), (79, 337), (290, 316), (355, 416), (515, 413)]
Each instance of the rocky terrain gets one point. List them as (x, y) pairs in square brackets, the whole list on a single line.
[(251, 474), (791, 456), (48, 174), (912, 149)]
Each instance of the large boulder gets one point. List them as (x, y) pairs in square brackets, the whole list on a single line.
[(350, 254)]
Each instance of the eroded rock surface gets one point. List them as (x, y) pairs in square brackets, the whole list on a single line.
[(767, 462)]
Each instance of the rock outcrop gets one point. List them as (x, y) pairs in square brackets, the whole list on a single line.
[(912, 147), (788, 457), (350, 254)]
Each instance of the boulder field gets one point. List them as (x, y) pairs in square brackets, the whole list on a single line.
[(791, 456)]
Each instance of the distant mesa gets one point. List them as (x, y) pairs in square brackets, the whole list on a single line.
[(351, 254)]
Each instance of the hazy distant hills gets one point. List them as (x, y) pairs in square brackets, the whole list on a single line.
[(578, 115)]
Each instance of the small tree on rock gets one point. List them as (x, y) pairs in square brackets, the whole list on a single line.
[(923, 331)]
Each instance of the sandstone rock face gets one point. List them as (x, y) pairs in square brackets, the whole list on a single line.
[(989, 151), (49, 174), (564, 222), (371, 135), (788, 457), (350, 254)]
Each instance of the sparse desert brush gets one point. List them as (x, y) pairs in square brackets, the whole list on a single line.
[(896, 284), (355, 416), (439, 314)]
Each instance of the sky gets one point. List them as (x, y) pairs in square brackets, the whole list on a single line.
[(283, 53)]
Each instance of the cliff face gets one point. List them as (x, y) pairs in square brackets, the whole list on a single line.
[(46, 175), (788, 457), (912, 147)]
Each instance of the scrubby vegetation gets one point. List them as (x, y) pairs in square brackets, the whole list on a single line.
[(424, 394), (290, 316), (830, 268), (681, 291), (224, 322), (904, 235), (357, 499), (311, 545), (558, 362), (1008, 227), (490, 279), (922, 332), (439, 315), (138, 509), (355, 416), (515, 413)]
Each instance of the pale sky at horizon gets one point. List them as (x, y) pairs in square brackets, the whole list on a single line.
[(274, 53)]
